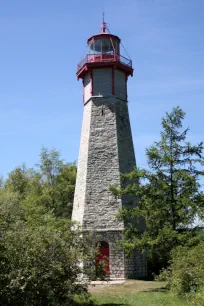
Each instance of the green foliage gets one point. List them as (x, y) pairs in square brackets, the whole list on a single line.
[(188, 269), (39, 261), (50, 187), (18, 180), (185, 274), (40, 255), (164, 276), (168, 194), (50, 164)]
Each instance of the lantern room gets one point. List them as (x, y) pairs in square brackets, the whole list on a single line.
[(104, 50), (104, 44)]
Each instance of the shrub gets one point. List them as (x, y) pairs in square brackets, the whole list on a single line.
[(187, 269), (164, 275), (39, 262), (187, 273)]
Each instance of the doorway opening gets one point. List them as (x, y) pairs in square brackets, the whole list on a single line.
[(102, 259)]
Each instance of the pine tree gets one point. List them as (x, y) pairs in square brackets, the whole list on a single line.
[(169, 194)]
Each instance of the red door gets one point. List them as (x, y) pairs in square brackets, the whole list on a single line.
[(103, 256)]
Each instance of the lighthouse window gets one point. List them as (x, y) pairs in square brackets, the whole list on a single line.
[(106, 46), (91, 47), (97, 46), (103, 45)]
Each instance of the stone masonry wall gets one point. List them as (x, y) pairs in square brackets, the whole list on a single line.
[(101, 207), (80, 189), (116, 258), (106, 150), (135, 265), (121, 266), (110, 153)]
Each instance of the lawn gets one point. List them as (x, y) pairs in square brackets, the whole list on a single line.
[(135, 293)]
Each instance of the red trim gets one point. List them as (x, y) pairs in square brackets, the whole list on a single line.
[(91, 79), (103, 58), (113, 81), (89, 66), (114, 37)]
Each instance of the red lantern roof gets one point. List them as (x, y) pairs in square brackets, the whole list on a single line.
[(104, 51), (104, 32)]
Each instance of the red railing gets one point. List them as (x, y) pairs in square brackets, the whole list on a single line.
[(104, 57)]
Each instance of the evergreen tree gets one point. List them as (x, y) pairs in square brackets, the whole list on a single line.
[(169, 194)]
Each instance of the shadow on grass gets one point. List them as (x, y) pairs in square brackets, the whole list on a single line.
[(113, 304), (161, 290), (91, 303)]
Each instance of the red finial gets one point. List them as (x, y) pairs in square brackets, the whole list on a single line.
[(103, 25)]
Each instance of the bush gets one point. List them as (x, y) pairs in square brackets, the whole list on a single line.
[(39, 262), (187, 273), (164, 275), (187, 269)]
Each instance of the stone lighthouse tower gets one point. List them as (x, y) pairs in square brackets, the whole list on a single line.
[(106, 151)]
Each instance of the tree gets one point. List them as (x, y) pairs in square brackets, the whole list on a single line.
[(50, 165), (50, 186), (40, 254), (18, 180), (39, 257), (169, 194), (58, 180)]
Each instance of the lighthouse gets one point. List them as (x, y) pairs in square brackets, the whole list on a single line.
[(106, 151)]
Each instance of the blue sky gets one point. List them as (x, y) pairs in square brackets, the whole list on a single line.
[(41, 43)]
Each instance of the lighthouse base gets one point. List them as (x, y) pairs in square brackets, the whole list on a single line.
[(117, 265)]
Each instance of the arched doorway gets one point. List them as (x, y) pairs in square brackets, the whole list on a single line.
[(102, 259)]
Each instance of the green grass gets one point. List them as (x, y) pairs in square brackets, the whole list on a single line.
[(136, 293)]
